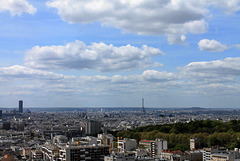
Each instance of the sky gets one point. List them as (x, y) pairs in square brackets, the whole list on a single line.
[(113, 53)]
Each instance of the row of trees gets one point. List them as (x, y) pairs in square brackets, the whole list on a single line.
[(199, 126), (211, 133)]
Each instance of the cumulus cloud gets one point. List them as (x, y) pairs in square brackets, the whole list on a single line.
[(211, 46), (32, 81), (156, 76), (119, 79), (18, 71), (97, 56), (214, 89), (17, 7), (218, 77), (229, 7), (37, 84), (173, 39), (237, 46), (145, 17), (217, 68)]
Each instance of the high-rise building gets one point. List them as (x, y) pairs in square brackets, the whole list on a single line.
[(143, 110), (157, 146), (20, 107), (0, 114), (93, 127)]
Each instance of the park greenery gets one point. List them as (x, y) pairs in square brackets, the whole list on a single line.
[(210, 133)]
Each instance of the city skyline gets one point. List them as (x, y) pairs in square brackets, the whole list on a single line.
[(172, 53)]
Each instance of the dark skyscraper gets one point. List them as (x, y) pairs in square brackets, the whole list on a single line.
[(93, 127), (143, 110), (20, 106)]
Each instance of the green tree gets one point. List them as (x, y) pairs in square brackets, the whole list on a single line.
[(235, 144), (213, 141), (224, 138), (123, 133), (137, 136), (174, 130), (165, 128), (181, 147)]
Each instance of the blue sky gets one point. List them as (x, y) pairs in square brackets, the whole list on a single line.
[(113, 53)]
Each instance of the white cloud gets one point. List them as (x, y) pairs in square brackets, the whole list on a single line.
[(227, 66), (193, 77), (34, 82), (20, 81), (173, 39), (211, 46), (229, 7), (217, 71), (126, 79), (214, 89), (145, 17), (98, 56), (237, 46), (217, 77), (18, 71), (172, 18), (17, 7), (156, 76)]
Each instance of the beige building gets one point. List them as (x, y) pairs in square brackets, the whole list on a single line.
[(126, 144), (222, 157), (195, 143), (106, 140)]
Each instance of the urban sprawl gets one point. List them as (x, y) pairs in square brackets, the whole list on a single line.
[(92, 134)]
